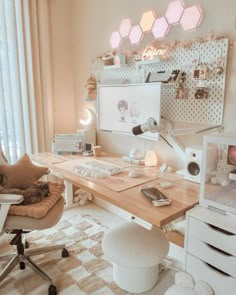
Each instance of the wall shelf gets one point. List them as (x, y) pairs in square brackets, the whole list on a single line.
[(112, 67), (147, 62)]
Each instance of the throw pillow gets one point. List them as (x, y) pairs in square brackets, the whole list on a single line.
[(22, 174)]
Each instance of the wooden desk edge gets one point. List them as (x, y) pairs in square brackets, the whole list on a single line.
[(114, 198)]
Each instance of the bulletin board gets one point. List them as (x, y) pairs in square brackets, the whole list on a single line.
[(122, 107)]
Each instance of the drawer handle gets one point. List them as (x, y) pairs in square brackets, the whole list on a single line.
[(220, 230), (217, 270), (218, 250)]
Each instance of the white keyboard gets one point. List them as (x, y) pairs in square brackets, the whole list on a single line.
[(100, 167)]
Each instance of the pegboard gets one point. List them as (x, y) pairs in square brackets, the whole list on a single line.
[(205, 111)]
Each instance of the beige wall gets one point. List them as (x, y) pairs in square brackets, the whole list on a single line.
[(81, 31), (62, 36)]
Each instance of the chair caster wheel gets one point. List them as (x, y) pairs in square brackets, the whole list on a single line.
[(22, 265), (52, 290), (27, 244), (65, 253)]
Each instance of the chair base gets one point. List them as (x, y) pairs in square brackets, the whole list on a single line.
[(23, 259)]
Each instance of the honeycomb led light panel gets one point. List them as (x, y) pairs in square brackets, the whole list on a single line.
[(125, 27), (160, 28), (115, 40), (174, 12), (136, 34), (147, 20), (191, 18)]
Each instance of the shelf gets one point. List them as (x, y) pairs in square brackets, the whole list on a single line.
[(112, 67), (147, 62)]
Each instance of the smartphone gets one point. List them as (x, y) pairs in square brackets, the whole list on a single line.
[(157, 198)]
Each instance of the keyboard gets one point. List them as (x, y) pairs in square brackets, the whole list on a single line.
[(100, 167)]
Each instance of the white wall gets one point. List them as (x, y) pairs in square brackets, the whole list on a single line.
[(81, 31)]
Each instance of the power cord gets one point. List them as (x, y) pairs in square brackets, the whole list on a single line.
[(166, 141)]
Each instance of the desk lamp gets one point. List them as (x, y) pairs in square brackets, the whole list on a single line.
[(151, 125), (89, 131)]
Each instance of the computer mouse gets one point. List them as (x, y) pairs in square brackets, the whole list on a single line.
[(135, 173), (166, 184)]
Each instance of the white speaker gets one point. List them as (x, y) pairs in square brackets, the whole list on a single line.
[(193, 163)]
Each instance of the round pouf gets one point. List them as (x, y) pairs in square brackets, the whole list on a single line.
[(135, 253)]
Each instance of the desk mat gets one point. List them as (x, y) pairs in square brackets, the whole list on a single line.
[(49, 158), (118, 182)]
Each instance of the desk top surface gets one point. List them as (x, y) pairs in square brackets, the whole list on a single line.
[(184, 194)]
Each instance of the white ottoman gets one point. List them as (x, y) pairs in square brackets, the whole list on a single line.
[(135, 253)]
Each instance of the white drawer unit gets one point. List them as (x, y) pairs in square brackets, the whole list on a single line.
[(212, 255), (221, 283), (212, 235), (210, 245)]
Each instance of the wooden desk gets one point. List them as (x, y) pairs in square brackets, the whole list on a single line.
[(184, 194)]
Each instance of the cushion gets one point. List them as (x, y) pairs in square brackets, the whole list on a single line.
[(22, 174), (39, 210)]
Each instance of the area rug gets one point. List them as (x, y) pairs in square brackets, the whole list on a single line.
[(85, 271)]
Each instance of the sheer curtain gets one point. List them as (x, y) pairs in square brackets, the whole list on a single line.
[(26, 105)]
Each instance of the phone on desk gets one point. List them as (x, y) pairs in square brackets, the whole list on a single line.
[(157, 198)]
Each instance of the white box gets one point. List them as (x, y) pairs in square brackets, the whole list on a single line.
[(219, 191)]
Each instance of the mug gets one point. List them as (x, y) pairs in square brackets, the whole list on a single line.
[(97, 150)]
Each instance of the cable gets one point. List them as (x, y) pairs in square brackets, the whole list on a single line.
[(166, 141)]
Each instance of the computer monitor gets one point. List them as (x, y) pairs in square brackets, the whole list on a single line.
[(122, 107)]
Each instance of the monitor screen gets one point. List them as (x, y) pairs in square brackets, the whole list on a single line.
[(122, 107)]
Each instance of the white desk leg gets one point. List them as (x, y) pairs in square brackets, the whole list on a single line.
[(68, 193)]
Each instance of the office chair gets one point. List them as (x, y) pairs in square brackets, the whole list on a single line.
[(18, 219)]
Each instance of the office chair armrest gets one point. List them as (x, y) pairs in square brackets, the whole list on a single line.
[(10, 199), (6, 200)]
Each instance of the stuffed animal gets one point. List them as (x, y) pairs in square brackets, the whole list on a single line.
[(221, 175), (185, 285), (82, 197)]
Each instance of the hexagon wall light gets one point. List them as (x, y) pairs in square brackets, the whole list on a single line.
[(147, 20), (191, 18), (115, 40), (125, 27), (136, 34), (174, 12), (160, 28)]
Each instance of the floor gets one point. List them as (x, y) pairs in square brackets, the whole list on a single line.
[(108, 219), (175, 256)]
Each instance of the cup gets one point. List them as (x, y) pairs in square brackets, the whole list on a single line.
[(97, 150)]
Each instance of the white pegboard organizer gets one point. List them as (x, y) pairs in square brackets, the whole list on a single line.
[(203, 111)]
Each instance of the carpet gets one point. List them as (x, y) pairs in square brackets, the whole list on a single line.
[(85, 271)]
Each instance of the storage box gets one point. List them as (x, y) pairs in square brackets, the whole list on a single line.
[(219, 190)]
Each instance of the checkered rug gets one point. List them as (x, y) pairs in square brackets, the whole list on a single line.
[(85, 271)]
